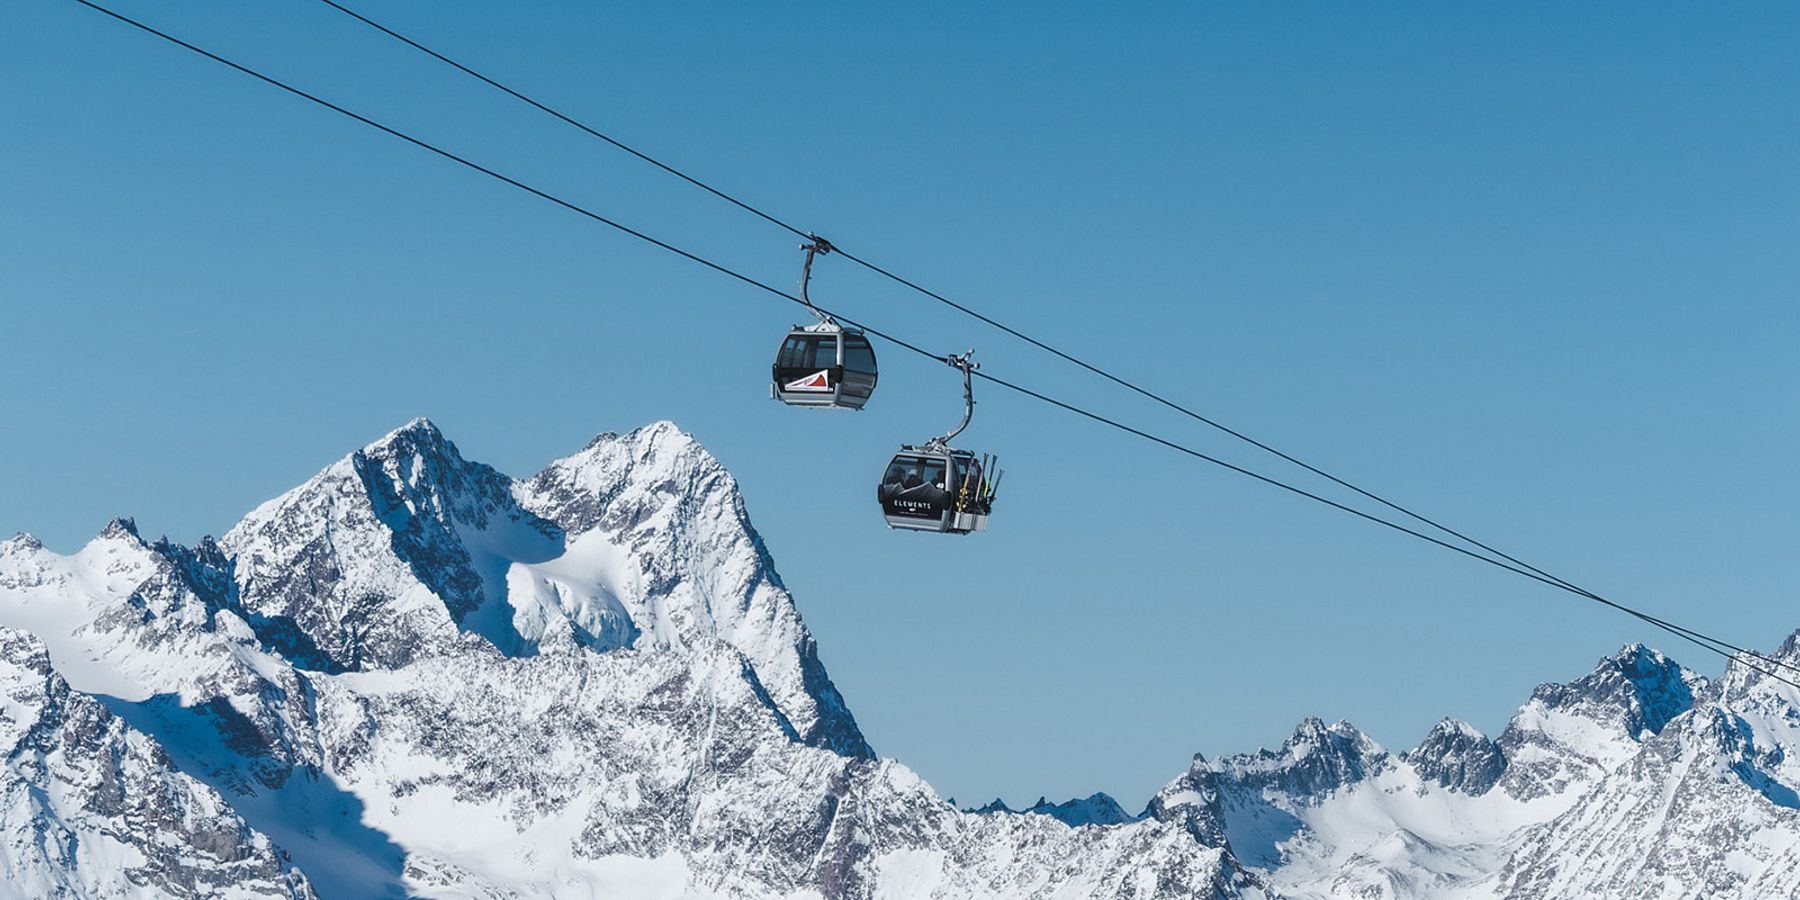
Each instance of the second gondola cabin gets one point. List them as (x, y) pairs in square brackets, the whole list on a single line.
[(824, 366), (935, 488)]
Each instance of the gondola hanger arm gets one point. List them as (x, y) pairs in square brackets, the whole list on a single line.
[(967, 365), (814, 246)]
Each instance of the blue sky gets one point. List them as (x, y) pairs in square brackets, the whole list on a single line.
[(1530, 269)]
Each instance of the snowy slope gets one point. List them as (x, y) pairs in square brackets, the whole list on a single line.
[(417, 676), (413, 675), (93, 808), (1636, 780), (1706, 808)]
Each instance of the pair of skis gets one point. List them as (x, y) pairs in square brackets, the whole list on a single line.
[(983, 490)]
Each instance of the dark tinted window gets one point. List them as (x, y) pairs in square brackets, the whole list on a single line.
[(859, 356), (915, 471), (793, 353), (933, 472)]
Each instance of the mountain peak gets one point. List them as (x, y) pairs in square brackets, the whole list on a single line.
[(659, 429), (995, 805), (1570, 733), (1458, 756), (416, 432), (368, 562), (1789, 651), (1193, 802), (1312, 734), (124, 527), (1745, 674), (1449, 726), (23, 654), (619, 480), (1314, 761), (1637, 688), (24, 540), (404, 549), (1097, 808), (1313, 728)]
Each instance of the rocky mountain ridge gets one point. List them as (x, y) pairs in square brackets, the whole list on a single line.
[(413, 675)]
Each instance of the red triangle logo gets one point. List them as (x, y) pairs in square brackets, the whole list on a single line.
[(817, 381)]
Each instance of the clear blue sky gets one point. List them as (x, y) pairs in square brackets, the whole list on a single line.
[(1530, 268)]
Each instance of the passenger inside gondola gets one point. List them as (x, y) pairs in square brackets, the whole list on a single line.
[(919, 481), (901, 474), (930, 486)]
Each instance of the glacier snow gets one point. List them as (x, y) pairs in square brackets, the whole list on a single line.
[(414, 675)]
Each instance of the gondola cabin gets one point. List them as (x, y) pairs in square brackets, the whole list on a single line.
[(825, 367), (932, 489)]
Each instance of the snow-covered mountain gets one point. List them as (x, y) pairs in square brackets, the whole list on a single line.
[(1637, 780), (95, 808), (1094, 809), (413, 675)]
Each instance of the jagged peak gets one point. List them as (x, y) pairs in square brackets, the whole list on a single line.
[(661, 429), (1193, 801), (1315, 760), (412, 470), (626, 478), (1789, 651), (418, 454), (1632, 664), (1638, 687), (662, 439), (121, 527), (1639, 657), (1449, 727), (1098, 808), (1312, 728), (26, 652), (1743, 672), (418, 432), (24, 540), (1576, 730), (995, 805), (1312, 732), (1458, 756)]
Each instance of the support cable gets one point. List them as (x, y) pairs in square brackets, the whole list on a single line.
[(1700, 639), (988, 320)]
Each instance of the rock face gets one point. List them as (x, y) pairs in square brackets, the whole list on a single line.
[(1706, 807), (1457, 756), (94, 808), (1569, 734), (414, 675)]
